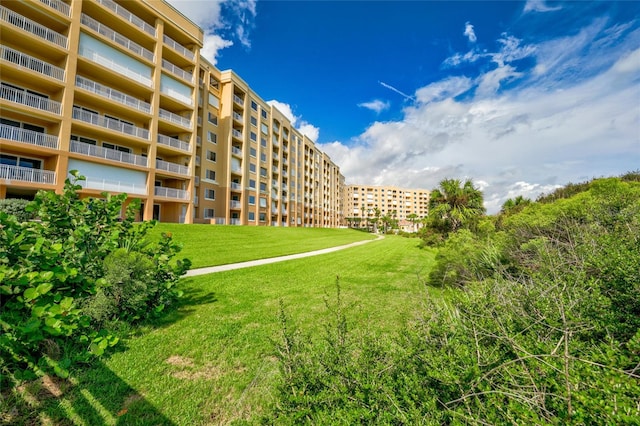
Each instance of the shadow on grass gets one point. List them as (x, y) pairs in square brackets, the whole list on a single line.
[(193, 296), (95, 397)]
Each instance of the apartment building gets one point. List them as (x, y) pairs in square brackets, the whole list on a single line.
[(405, 205), (119, 92)]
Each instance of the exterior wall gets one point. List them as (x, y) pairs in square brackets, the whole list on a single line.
[(399, 203)]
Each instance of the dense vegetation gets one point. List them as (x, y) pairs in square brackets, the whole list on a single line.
[(543, 327), (68, 279)]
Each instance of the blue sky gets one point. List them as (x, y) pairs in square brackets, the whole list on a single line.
[(521, 97)]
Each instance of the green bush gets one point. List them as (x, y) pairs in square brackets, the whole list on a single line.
[(53, 271), (17, 208)]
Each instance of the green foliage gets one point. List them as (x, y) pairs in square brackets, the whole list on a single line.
[(51, 268), (17, 208)]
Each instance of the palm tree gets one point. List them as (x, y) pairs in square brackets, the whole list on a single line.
[(413, 218), (454, 205), (514, 205)]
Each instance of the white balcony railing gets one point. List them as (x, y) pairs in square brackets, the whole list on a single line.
[(27, 174), (218, 220), (236, 134), (237, 117), (112, 185), (173, 142), (109, 123), (28, 136), (116, 37), (128, 16), (235, 204), (177, 71), (236, 186), (178, 194), (236, 151), (32, 27), (172, 167), (178, 47), (59, 6), (112, 94), (236, 170), (234, 221), (177, 95), (23, 97), (175, 118), (238, 100), (94, 56), (29, 62), (107, 153)]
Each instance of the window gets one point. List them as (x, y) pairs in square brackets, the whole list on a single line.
[(211, 156), (214, 83), (213, 119), (264, 128), (252, 184), (84, 140), (212, 137), (254, 137), (110, 117), (264, 114), (263, 187), (276, 126), (263, 172), (116, 147), (210, 194), (210, 175), (254, 121), (252, 200), (252, 168), (263, 142), (252, 152), (213, 101), (12, 160), (263, 157), (252, 216), (209, 213), (263, 202), (274, 138), (254, 105), (263, 217)]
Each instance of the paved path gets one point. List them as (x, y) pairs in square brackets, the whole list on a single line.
[(229, 267)]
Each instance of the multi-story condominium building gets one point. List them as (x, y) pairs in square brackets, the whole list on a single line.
[(407, 206), (119, 92)]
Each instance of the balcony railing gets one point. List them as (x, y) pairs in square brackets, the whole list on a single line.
[(236, 170), (177, 71), (128, 16), (114, 95), (112, 185), (25, 98), (28, 136), (237, 117), (58, 5), (177, 95), (235, 204), (175, 118), (235, 222), (236, 134), (116, 37), (173, 142), (32, 27), (178, 194), (236, 186), (29, 62), (107, 153), (238, 100), (178, 47), (27, 174), (236, 151), (109, 123), (85, 52), (173, 167)]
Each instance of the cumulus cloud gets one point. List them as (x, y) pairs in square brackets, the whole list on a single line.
[(470, 33), (539, 6), (376, 105), (510, 128), (222, 21), (308, 129)]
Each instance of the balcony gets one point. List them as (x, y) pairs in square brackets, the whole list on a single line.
[(112, 186), (27, 174), (275, 170), (28, 136), (175, 118), (236, 134), (236, 151), (117, 37), (107, 154), (177, 194), (177, 95), (238, 100), (112, 94), (59, 6), (29, 62), (235, 204), (128, 16), (177, 71), (87, 53), (178, 47), (173, 167), (175, 143), (34, 101), (32, 27), (237, 117), (109, 123), (236, 170), (236, 186)]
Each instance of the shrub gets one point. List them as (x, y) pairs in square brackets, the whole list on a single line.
[(17, 208)]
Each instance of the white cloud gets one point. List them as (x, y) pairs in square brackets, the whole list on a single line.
[(539, 132), (539, 6), (470, 33), (311, 131), (376, 105)]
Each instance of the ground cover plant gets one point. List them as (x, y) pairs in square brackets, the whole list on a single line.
[(211, 245)]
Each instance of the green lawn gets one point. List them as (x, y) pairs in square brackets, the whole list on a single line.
[(211, 361), (211, 245)]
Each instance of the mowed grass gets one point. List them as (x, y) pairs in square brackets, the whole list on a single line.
[(212, 361), (212, 245)]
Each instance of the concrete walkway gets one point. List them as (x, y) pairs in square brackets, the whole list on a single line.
[(249, 264)]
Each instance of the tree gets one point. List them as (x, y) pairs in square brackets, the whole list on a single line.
[(514, 205), (455, 205), (413, 218), (375, 218)]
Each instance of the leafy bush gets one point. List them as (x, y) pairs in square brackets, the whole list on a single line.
[(17, 208), (53, 270)]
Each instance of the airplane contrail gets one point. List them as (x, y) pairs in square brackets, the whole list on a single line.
[(388, 86)]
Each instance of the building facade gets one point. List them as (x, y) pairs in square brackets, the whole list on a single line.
[(119, 92), (407, 206)]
